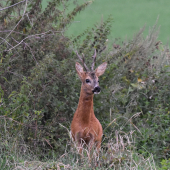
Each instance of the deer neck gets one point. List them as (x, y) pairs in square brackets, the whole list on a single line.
[(85, 106)]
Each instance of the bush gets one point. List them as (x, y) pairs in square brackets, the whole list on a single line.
[(165, 164), (139, 91), (39, 85), (40, 88)]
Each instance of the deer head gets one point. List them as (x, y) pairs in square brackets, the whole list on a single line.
[(90, 78)]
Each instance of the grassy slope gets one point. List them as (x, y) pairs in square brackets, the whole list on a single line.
[(129, 16)]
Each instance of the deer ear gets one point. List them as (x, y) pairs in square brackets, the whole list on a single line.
[(80, 70), (101, 69)]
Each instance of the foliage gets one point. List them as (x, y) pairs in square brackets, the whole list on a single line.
[(140, 89), (40, 89), (116, 154), (36, 70), (165, 164), (39, 85)]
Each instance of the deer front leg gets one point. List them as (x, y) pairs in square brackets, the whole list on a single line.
[(98, 145), (79, 141)]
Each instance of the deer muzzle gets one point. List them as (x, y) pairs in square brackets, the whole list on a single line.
[(96, 90)]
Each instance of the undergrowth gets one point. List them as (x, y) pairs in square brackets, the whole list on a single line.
[(39, 91), (117, 153)]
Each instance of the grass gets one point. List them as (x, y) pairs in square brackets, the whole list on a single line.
[(129, 16), (116, 153)]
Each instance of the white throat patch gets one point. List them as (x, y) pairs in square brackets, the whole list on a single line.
[(96, 92)]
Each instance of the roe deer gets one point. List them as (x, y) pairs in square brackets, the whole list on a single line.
[(85, 127)]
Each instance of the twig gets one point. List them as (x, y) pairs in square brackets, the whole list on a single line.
[(18, 21), (6, 41), (8, 44), (16, 108), (29, 19), (15, 73), (13, 32), (11, 5), (11, 119), (30, 37), (48, 142), (28, 47)]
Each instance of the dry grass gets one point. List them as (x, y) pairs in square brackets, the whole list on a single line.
[(116, 153)]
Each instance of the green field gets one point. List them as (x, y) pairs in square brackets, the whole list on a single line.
[(129, 16)]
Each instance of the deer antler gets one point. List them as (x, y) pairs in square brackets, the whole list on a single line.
[(83, 61), (94, 59)]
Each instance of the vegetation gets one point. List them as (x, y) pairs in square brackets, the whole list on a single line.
[(39, 92)]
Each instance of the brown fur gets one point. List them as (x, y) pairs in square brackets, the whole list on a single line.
[(85, 127)]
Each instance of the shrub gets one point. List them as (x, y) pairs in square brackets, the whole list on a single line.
[(139, 91), (39, 85), (40, 88)]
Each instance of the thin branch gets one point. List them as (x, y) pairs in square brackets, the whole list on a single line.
[(13, 32), (29, 20), (18, 21), (8, 43), (15, 73), (48, 142), (11, 5), (94, 60), (4, 116), (28, 47), (30, 37)]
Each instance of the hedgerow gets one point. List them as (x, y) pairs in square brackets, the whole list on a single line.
[(40, 90)]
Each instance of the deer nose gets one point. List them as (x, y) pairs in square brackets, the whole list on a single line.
[(96, 89)]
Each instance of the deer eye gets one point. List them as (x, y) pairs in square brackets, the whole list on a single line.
[(98, 81), (87, 81)]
